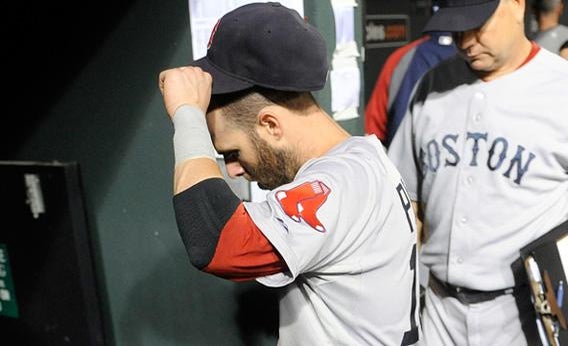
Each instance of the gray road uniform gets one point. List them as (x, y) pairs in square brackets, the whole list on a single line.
[(488, 161)]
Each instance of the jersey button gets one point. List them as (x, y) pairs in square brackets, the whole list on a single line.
[(459, 259), (463, 220), (469, 180), (479, 95), (477, 117)]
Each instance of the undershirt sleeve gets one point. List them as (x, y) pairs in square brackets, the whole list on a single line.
[(219, 236)]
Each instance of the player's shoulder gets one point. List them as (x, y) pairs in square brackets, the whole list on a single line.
[(453, 68), (445, 76), (351, 163), (550, 64), (354, 150), (563, 29), (399, 52)]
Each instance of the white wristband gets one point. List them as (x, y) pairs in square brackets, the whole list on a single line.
[(191, 136)]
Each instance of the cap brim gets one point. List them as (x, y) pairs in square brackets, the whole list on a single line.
[(223, 83), (461, 18)]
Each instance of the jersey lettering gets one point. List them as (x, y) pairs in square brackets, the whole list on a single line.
[(406, 204), (478, 148), (303, 201), (410, 336)]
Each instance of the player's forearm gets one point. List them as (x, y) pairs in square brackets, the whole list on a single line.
[(193, 149)]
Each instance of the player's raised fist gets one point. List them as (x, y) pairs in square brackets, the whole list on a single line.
[(186, 85)]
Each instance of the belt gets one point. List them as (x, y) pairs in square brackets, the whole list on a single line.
[(465, 295)]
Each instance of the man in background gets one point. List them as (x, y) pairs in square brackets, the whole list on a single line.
[(386, 88), (551, 34), (399, 74), (484, 152)]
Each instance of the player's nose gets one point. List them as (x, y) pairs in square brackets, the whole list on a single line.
[(464, 39), (234, 169)]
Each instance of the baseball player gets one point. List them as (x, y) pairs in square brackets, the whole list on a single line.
[(336, 232), (484, 151), (386, 88)]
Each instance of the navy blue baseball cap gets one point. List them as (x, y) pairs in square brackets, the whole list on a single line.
[(267, 45), (461, 15)]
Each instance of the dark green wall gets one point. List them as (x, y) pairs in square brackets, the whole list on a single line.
[(107, 114), (320, 13)]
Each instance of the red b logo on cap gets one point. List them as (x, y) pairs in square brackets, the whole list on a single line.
[(213, 34)]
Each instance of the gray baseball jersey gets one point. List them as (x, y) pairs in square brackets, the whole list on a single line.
[(345, 229), (489, 162), (552, 38)]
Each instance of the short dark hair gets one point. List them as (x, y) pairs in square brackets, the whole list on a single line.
[(242, 107), (545, 6)]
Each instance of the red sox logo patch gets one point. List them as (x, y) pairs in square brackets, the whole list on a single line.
[(303, 201)]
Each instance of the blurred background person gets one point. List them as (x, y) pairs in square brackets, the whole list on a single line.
[(551, 34), (402, 69)]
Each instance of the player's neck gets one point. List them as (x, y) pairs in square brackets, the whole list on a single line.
[(516, 59), (328, 134)]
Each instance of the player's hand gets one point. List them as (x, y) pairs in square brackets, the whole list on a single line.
[(185, 86)]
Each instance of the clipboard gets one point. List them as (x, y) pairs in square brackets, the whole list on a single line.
[(546, 264)]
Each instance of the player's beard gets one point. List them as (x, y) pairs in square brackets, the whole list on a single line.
[(275, 167)]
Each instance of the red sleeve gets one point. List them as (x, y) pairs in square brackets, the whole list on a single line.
[(376, 110), (243, 252), (377, 106)]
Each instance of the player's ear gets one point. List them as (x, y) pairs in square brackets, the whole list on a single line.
[(270, 122), (519, 8)]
